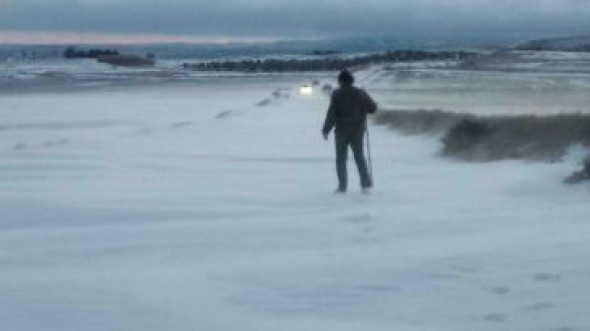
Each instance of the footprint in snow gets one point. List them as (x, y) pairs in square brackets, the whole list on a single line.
[(281, 94), (540, 306), (19, 147), (55, 143), (263, 103), (547, 277), (224, 114), (499, 290), (180, 125), (495, 318)]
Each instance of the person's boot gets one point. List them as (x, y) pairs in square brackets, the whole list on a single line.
[(366, 188)]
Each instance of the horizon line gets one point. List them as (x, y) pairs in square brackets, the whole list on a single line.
[(64, 38)]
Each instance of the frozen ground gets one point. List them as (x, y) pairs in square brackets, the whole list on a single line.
[(209, 207), (498, 84)]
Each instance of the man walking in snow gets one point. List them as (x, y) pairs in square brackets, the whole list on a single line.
[(348, 111)]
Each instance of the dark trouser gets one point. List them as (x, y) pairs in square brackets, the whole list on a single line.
[(355, 139)]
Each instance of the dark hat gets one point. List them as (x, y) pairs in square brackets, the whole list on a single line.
[(345, 77)]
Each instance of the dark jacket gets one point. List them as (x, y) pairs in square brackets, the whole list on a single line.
[(348, 110)]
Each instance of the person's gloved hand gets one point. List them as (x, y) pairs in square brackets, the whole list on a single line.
[(325, 135)]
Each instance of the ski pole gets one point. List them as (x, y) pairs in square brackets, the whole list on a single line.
[(369, 151)]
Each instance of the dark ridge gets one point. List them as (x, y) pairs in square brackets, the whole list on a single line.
[(569, 44), (492, 138), (71, 53), (326, 63), (324, 52)]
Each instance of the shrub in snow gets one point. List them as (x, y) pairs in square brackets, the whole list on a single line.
[(465, 135)]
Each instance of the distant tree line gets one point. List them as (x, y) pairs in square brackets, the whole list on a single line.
[(71, 53), (318, 52), (548, 46), (327, 63)]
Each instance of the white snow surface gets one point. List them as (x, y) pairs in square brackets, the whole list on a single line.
[(199, 207)]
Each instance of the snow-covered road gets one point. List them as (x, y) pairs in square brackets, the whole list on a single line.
[(210, 207)]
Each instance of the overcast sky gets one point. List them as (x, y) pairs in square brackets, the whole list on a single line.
[(296, 19)]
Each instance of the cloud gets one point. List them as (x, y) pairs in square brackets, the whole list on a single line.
[(304, 18)]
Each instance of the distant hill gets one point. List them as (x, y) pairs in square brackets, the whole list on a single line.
[(322, 47), (327, 63), (570, 44)]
